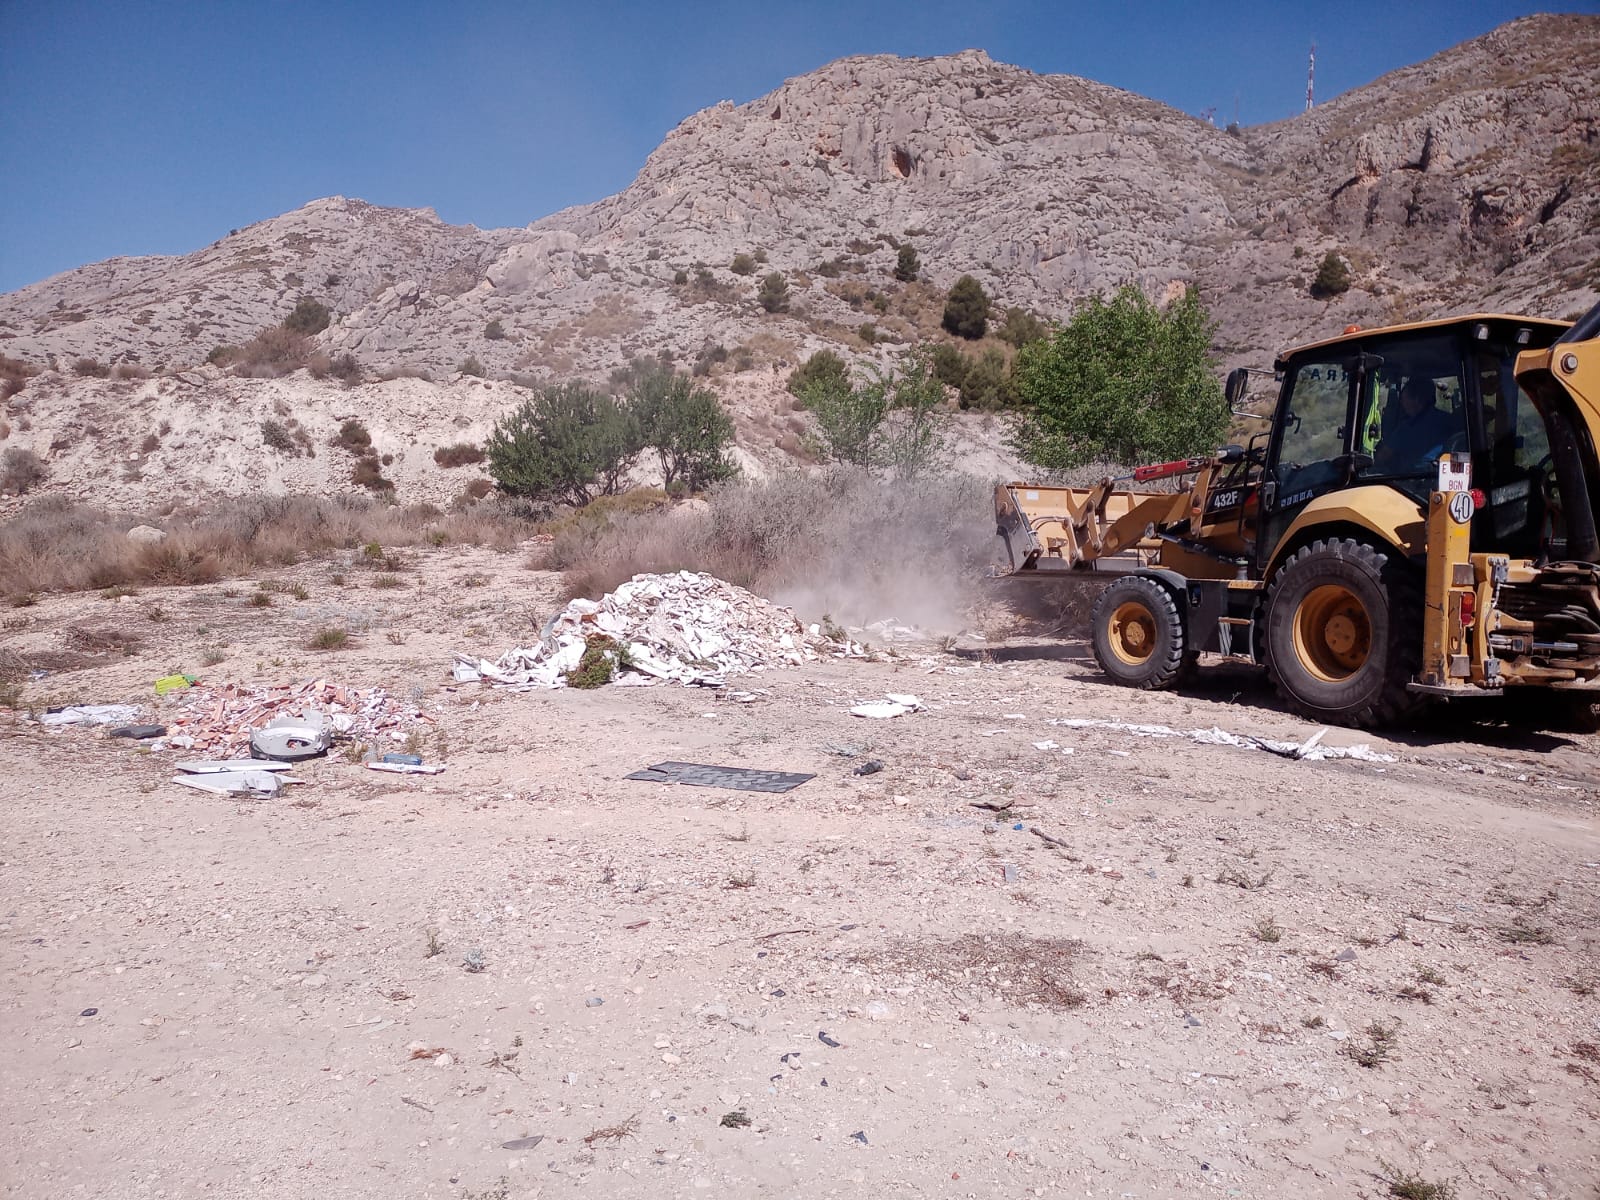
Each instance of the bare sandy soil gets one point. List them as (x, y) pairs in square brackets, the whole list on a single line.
[(1236, 975)]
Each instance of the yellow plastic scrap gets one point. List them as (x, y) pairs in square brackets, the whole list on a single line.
[(175, 683)]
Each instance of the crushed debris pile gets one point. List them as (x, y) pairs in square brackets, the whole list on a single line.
[(219, 721), (686, 627)]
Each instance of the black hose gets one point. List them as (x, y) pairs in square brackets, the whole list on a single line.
[(1587, 327)]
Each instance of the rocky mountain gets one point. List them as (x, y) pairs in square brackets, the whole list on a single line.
[(1467, 181)]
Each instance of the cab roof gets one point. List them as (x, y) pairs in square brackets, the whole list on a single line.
[(1554, 327)]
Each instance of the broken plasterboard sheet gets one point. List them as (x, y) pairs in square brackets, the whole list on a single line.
[(1311, 750), (217, 766), (739, 779), (90, 714), (894, 704), (236, 783)]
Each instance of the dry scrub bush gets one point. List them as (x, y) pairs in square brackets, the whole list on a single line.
[(56, 545), (837, 542)]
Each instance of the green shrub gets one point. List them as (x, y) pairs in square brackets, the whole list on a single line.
[(708, 358), (950, 366), (347, 368), (987, 382), (495, 331), (742, 264), (21, 471), (867, 332), (1122, 381), (471, 366), (273, 352), (680, 277), (1021, 328), (686, 427), (774, 293), (367, 473), (907, 266), (309, 317), (90, 368), (353, 436), (221, 356), (458, 454), (275, 435), (823, 365), (966, 309), (569, 442), (1333, 277)]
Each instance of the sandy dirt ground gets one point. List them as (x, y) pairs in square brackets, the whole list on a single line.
[(1229, 973)]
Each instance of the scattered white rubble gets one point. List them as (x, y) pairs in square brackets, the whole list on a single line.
[(686, 627), (90, 714), (1310, 750), (893, 704)]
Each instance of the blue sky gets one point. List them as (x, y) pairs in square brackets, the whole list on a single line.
[(141, 127)]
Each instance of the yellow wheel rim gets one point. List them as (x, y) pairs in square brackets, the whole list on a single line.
[(1133, 633), (1332, 633)]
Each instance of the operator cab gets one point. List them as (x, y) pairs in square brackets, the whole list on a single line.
[(1380, 407)]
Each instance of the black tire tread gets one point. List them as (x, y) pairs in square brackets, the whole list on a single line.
[(1393, 705), (1164, 670)]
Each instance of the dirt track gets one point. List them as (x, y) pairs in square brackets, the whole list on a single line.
[(261, 975)]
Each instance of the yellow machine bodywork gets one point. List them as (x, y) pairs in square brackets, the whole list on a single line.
[(1489, 620)]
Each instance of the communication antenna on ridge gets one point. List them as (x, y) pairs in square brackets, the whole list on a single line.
[(1311, 76)]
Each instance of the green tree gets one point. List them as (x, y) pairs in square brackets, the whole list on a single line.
[(912, 440), (887, 419), (774, 293), (966, 309), (742, 264), (988, 382), (495, 330), (1333, 277), (687, 428), (907, 266), (568, 442), (1122, 381), (824, 364), (950, 366), (1021, 328), (309, 317)]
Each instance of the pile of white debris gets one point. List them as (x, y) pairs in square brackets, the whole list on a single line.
[(688, 628)]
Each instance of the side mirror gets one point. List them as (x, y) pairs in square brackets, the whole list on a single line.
[(1238, 383)]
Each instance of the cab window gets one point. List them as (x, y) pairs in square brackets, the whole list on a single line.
[(1312, 433), (1412, 410)]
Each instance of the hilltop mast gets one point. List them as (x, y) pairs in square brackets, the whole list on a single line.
[(1311, 75)]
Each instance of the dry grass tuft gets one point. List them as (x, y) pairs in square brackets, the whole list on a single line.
[(613, 1133), (1012, 967), (56, 545)]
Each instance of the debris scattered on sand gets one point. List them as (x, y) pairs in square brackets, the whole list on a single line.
[(685, 627), (893, 704), (90, 714), (1310, 750), (290, 739), (219, 721)]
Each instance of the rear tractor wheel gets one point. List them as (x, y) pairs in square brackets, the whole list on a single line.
[(1344, 634), (1138, 633)]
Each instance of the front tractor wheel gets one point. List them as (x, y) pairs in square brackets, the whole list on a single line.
[(1344, 634), (1138, 633)]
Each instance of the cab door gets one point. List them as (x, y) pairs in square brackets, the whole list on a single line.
[(1310, 451)]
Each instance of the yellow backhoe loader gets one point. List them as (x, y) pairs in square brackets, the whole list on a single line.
[(1417, 524)]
